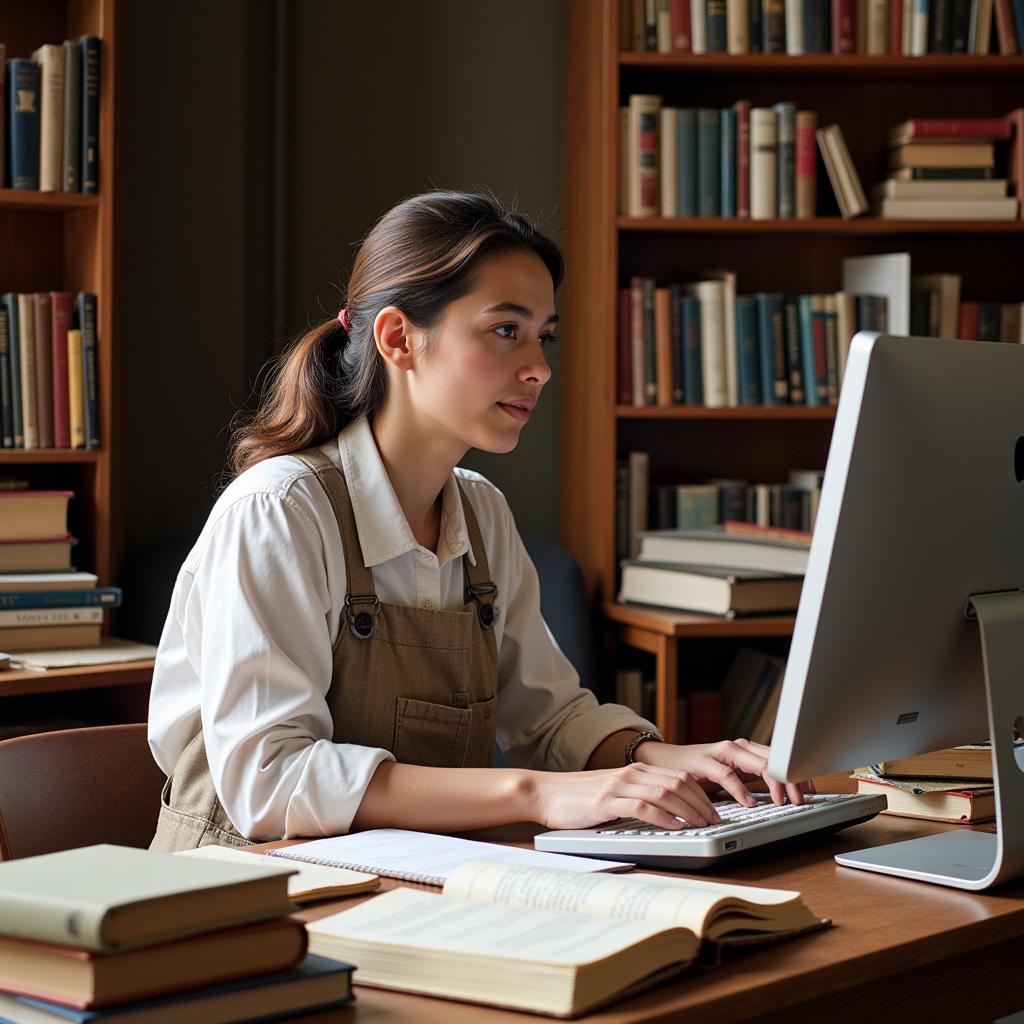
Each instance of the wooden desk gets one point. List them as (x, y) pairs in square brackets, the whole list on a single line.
[(899, 951)]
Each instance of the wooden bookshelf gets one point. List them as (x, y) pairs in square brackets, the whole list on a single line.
[(70, 241), (865, 95)]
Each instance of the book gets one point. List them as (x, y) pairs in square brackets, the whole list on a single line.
[(27, 358), (101, 597), (539, 940), (958, 802), (31, 617), (90, 142), (764, 147), (841, 171), (885, 275), (22, 85), (972, 761), (644, 158), (310, 882), (85, 321), (994, 208), (706, 590), (315, 984), (785, 202), (745, 688), (109, 651), (50, 59), (942, 154), (738, 528), (946, 129), (806, 164), (60, 311), (72, 149), (947, 288), (76, 389), (423, 856), (917, 188), (714, 379), (52, 554), (84, 979), (42, 316), (669, 154), (107, 898), (10, 304), (6, 397), (34, 515), (714, 547)]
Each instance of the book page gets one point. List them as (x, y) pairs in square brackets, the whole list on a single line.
[(643, 897), (411, 917)]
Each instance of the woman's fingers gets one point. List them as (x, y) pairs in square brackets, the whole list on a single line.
[(664, 807), (683, 783)]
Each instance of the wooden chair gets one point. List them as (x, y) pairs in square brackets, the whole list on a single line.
[(77, 787)]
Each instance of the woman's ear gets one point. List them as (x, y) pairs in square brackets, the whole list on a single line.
[(392, 333)]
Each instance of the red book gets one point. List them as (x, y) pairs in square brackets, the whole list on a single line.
[(895, 28), (844, 26), (983, 128), (682, 38), (623, 350), (742, 158), (60, 303), (968, 330)]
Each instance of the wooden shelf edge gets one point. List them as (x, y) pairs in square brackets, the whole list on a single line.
[(671, 623), (23, 682), (826, 63), (814, 413), (816, 226), (46, 202), (31, 456)]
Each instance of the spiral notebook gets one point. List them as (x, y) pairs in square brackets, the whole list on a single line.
[(423, 856)]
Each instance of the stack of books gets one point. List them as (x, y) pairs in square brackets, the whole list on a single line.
[(953, 785), (48, 375), (109, 933), (53, 117), (945, 169)]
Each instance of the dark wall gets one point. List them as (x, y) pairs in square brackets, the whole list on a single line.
[(259, 150)]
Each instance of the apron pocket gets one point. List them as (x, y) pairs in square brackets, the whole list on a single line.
[(480, 751), (435, 735)]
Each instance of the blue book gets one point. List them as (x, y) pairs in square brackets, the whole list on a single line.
[(678, 335), (10, 302), (748, 356), (315, 984), (709, 163), (23, 83), (806, 317), (1018, 18), (85, 321), (771, 332), (714, 13), (728, 136), (686, 161), (90, 160), (107, 597), (693, 372), (786, 176)]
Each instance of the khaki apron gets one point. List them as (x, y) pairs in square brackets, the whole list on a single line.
[(419, 682)]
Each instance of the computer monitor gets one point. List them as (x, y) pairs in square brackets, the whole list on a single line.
[(910, 632)]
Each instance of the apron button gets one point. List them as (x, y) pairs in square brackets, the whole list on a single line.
[(362, 625), (486, 615)]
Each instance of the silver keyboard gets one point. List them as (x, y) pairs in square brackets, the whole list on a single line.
[(742, 828)]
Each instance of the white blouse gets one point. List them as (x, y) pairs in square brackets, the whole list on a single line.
[(246, 648)]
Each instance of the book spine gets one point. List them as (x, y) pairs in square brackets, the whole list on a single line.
[(786, 170), (939, 25), (71, 147), (748, 361), (763, 163), (27, 353), (737, 21), (50, 58), (1005, 30), (844, 32), (806, 318), (663, 17), (817, 26), (624, 393), (878, 27), (10, 302), (830, 318), (919, 29), (678, 332), (766, 355), (663, 346), (85, 306), (621, 511), (714, 17), (60, 306), (756, 26), (90, 115), (794, 360), (819, 338), (636, 339), (948, 128), (104, 597), (773, 26), (681, 40), (625, 163), (30, 617), (6, 406), (651, 26), (650, 378), (896, 28), (23, 114), (698, 26), (709, 164), (644, 148), (780, 368), (742, 108), (806, 186), (795, 21), (968, 325), (988, 321), (686, 161), (41, 318), (669, 170), (693, 380), (76, 389), (712, 348), (5, 170), (727, 123), (1018, 18)]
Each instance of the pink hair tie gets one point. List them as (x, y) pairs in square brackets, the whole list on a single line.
[(343, 319)]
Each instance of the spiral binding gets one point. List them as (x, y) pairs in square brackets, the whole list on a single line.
[(403, 876)]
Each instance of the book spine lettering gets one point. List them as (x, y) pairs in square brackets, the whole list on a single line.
[(844, 34), (763, 164), (23, 116), (794, 362), (100, 597), (714, 15), (786, 171), (680, 26)]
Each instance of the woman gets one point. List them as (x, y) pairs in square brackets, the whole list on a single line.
[(358, 621)]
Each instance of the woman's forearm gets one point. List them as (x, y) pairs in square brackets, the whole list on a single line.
[(445, 799)]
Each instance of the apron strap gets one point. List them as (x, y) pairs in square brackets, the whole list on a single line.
[(480, 588)]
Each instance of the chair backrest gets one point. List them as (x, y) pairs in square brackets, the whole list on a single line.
[(77, 787)]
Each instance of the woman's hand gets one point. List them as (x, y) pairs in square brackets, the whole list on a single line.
[(737, 766), (659, 795)]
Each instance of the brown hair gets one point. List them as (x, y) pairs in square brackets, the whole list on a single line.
[(420, 256)]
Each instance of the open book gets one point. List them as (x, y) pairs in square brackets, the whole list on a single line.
[(548, 941)]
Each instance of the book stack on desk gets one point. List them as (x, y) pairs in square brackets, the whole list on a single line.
[(110, 933), (953, 785)]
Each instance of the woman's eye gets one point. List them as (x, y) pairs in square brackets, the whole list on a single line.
[(508, 327), (548, 339)]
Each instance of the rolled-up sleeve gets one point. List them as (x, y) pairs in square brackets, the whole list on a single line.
[(256, 621), (546, 720)]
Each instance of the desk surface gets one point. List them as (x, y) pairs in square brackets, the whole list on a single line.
[(899, 950)]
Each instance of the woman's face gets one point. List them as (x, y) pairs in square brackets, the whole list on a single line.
[(484, 369)]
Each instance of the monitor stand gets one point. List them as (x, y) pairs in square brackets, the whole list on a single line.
[(962, 857)]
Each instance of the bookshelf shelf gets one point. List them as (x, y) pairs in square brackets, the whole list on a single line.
[(47, 202), (22, 683), (681, 624), (816, 226), (822, 65), (37, 456), (743, 412)]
